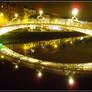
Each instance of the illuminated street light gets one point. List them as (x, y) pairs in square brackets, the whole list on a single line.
[(39, 74), (16, 66), (40, 15), (2, 56), (55, 46), (81, 38), (2, 18), (1, 14), (75, 11), (71, 81), (40, 12), (16, 15)]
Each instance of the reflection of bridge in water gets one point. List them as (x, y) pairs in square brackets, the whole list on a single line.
[(17, 58)]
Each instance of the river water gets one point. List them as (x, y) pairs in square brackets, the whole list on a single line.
[(65, 50), (76, 49)]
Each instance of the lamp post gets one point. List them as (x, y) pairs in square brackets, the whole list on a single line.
[(16, 15), (74, 13), (40, 12), (40, 17)]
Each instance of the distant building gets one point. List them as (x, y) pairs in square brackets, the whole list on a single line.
[(30, 12), (50, 15), (8, 8)]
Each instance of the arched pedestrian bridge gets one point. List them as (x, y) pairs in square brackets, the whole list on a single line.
[(17, 58)]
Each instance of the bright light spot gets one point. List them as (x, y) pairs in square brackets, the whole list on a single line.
[(55, 46), (45, 63), (39, 74), (71, 81), (41, 12), (71, 42), (16, 15), (1, 14), (75, 11), (87, 66), (16, 66), (33, 60), (2, 56), (81, 38)]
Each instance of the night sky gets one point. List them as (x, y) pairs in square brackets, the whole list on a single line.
[(61, 9)]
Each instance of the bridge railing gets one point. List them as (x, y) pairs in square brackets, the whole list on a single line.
[(66, 22), (45, 21)]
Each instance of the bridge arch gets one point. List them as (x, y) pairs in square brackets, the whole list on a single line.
[(46, 64)]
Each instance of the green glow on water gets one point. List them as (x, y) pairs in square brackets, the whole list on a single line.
[(1, 46)]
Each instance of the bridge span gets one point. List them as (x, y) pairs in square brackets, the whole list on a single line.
[(63, 67)]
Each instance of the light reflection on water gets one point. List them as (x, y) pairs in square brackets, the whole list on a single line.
[(35, 48), (51, 50)]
